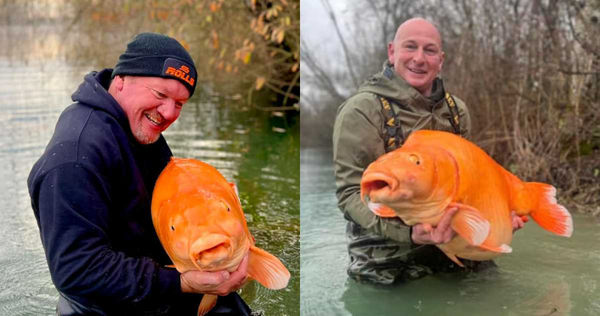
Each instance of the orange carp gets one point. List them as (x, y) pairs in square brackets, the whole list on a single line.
[(434, 170), (199, 220)]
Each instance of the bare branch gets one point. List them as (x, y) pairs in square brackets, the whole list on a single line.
[(345, 49)]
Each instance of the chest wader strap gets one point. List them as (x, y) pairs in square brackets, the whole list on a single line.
[(392, 131), (454, 118), (393, 135)]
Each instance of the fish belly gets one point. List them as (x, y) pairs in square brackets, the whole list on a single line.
[(500, 234), (461, 249), (490, 197)]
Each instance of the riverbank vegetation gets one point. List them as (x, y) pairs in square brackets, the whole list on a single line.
[(241, 48), (251, 45), (528, 70)]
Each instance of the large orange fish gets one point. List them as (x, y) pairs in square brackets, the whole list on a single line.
[(199, 220), (434, 170)]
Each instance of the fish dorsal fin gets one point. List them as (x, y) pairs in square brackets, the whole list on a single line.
[(381, 210), (266, 269)]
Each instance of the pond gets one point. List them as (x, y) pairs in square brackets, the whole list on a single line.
[(245, 144), (545, 274)]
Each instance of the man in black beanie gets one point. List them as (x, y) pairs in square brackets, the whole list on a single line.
[(91, 192)]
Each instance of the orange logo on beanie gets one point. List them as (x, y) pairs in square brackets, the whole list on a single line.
[(181, 73), (177, 69)]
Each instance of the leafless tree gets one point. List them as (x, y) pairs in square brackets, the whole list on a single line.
[(529, 71)]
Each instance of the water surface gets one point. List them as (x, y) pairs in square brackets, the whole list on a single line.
[(545, 274)]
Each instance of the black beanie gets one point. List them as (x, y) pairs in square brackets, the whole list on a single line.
[(157, 55)]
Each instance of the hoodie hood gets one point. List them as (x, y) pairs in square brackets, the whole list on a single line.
[(388, 84), (93, 92)]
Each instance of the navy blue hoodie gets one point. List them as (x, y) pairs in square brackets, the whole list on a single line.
[(91, 194)]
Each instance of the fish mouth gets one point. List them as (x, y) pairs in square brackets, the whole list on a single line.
[(211, 252), (376, 184), (382, 188)]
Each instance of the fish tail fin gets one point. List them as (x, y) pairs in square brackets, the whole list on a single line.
[(206, 304), (470, 224), (543, 208), (266, 269)]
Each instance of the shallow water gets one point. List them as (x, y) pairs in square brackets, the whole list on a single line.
[(236, 139), (545, 274)]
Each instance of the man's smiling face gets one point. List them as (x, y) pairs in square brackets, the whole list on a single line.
[(416, 54), (151, 104)]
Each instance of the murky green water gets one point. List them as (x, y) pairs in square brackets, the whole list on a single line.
[(240, 142), (236, 139), (545, 274)]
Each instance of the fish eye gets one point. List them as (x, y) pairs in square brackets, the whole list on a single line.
[(172, 228), (224, 205), (414, 159)]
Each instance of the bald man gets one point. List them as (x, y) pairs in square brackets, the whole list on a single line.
[(409, 91), (416, 54)]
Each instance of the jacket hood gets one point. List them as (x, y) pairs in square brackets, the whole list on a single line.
[(93, 92), (388, 84)]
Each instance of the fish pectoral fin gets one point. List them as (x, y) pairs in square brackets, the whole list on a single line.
[(208, 302), (266, 269), (470, 224), (381, 210), (504, 248)]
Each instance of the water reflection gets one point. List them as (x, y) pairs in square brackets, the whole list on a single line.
[(554, 299)]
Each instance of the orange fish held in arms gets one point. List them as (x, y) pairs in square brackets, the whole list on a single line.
[(199, 220), (434, 170)]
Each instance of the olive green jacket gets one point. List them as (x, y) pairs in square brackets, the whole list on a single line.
[(358, 139)]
